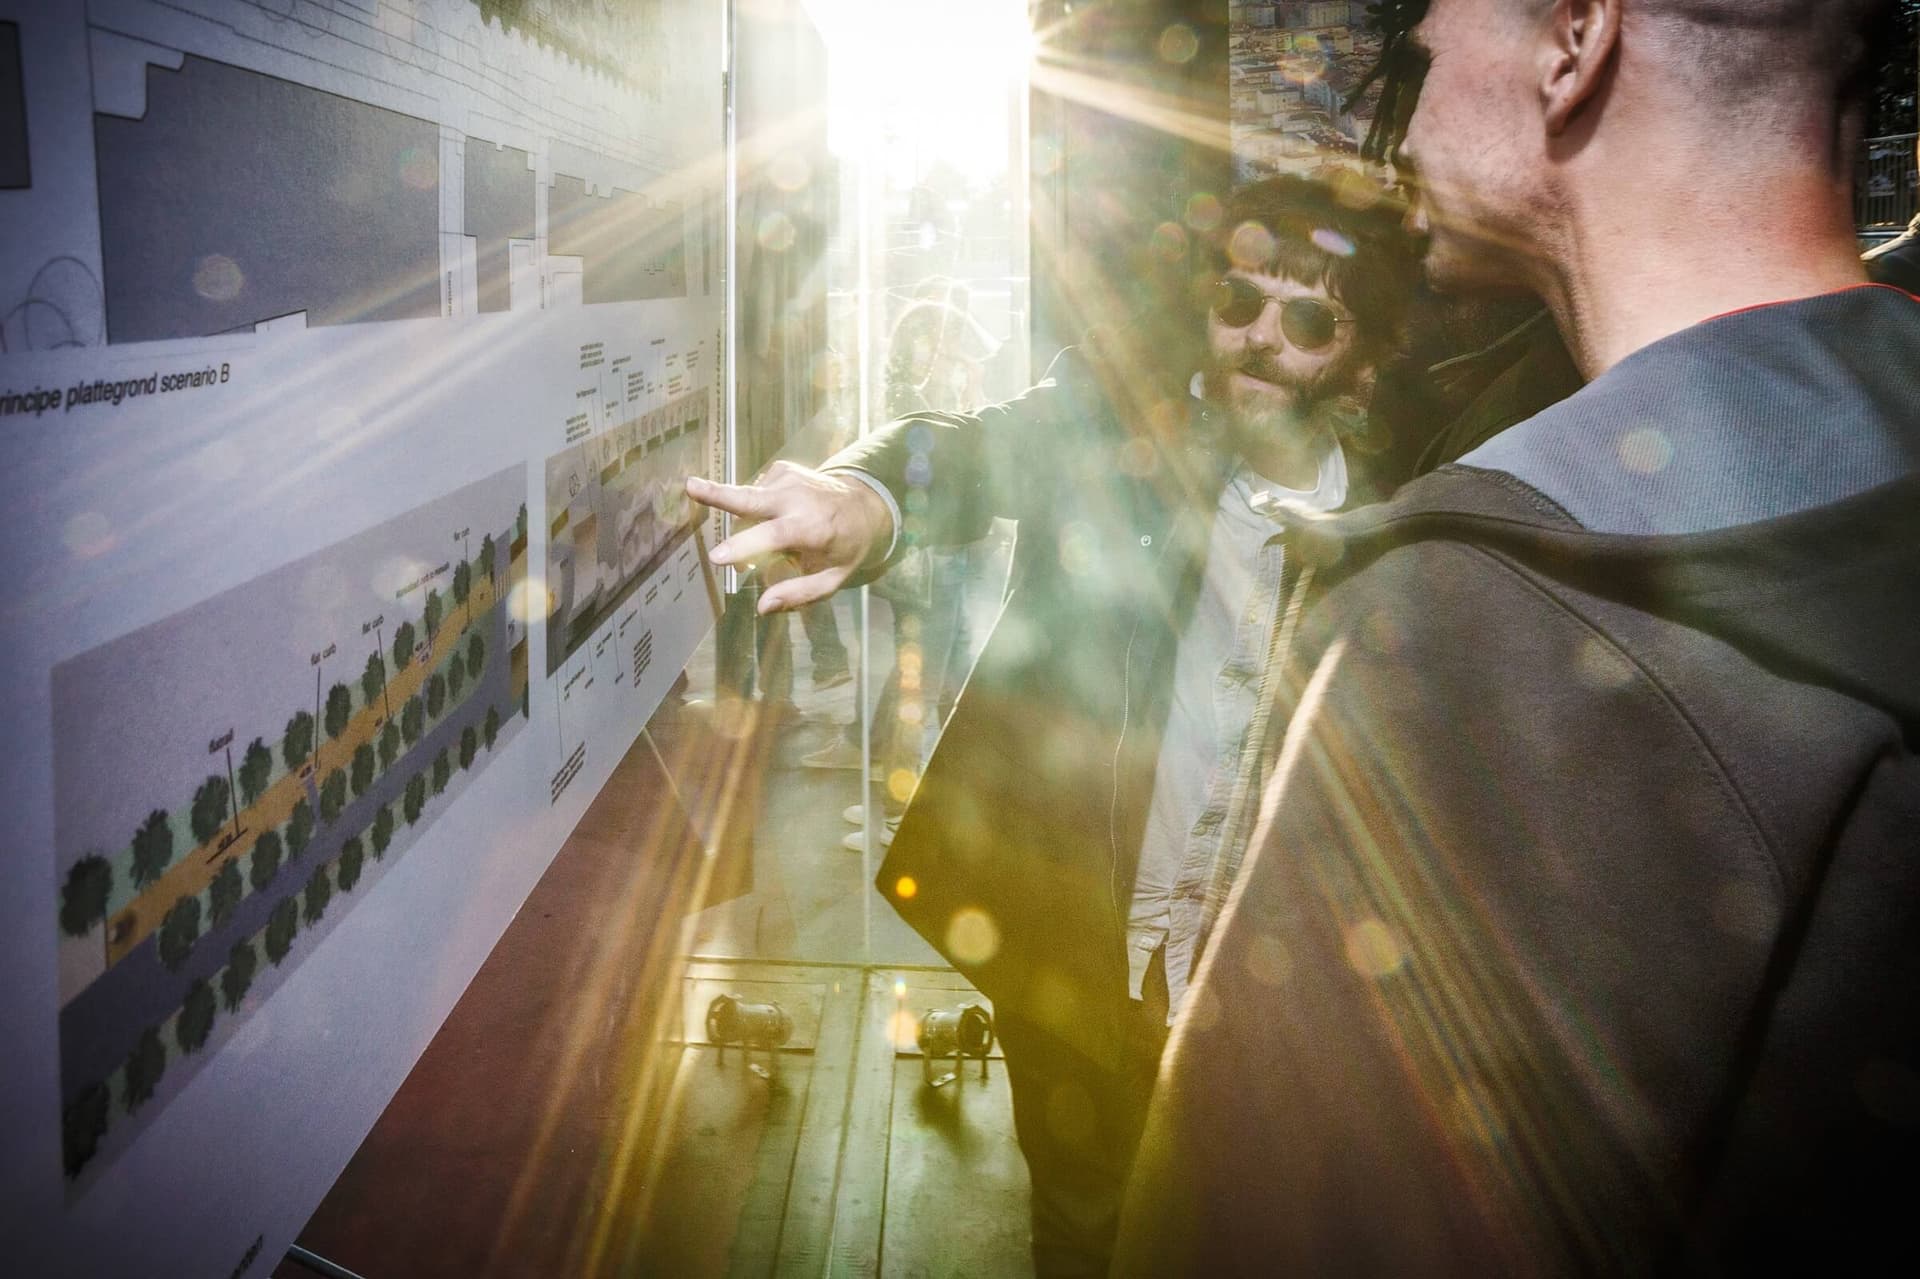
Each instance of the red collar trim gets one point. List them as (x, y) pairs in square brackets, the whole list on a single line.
[(1761, 306)]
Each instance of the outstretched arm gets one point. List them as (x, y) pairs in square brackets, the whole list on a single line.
[(815, 532)]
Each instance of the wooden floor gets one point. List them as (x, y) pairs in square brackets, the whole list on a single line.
[(840, 1157)]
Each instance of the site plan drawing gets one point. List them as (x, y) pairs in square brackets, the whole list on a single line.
[(260, 779)]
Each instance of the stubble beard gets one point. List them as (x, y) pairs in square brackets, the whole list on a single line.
[(1296, 412)]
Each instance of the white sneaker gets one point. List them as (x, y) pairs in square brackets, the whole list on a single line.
[(882, 838), (837, 754), (856, 815)]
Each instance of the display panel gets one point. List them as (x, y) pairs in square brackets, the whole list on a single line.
[(351, 356)]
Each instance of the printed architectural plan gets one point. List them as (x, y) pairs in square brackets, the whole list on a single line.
[(352, 356)]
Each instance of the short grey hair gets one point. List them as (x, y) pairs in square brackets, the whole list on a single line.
[(1745, 49)]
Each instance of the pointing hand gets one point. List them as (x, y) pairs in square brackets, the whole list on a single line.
[(819, 528)]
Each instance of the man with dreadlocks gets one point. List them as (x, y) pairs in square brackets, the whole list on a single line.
[(1581, 928), (1088, 799)]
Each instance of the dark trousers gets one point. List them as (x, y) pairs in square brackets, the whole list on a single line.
[(823, 638), (1079, 1125), (752, 655)]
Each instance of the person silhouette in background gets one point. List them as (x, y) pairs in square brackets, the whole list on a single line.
[(936, 355)]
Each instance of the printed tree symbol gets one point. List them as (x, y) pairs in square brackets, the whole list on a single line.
[(196, 1017), (319, 893), (178, 931), (152, 848), (282, 924), (415, 799), (237, 978), (224, 893), (362, 776), (373, 679), (297, 743), (389, 744), (333, 795), (255, 768), (382, 832), (462, 582), (436, 694), (403, 646), (210, 808), (442, 770), (413, 718), (456, 676), (339, 710), (145, 1064), (436, 608), (83, 899), (469, 746), (265, 862), (82, 1125), (299, 828), (491, 728), (353, 855), (487, 557), (476, 655)]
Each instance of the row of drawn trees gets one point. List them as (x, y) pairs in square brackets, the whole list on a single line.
[(86, 1118), (433, 612), (89, 885), (181, 926)]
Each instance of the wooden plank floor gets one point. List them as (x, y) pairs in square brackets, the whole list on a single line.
[(568, 1120)]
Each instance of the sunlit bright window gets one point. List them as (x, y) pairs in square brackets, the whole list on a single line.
[(927, 117)]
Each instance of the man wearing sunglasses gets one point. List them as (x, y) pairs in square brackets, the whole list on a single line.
[(1581, 934), (1076, 826)]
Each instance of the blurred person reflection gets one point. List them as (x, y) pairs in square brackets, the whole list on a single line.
[(1090, 790), (935, 361)]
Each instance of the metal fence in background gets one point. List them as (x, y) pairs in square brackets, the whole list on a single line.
[(1886, 190)]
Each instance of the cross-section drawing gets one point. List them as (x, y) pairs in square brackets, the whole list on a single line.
[(616, 508)]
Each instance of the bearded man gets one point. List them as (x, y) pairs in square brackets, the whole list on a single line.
[(1067, 846), (1581, 930)]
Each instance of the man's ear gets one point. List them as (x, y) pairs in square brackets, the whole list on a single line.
[(1581, 39)]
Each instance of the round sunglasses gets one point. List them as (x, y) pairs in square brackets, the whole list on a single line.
[(1307, 323)]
